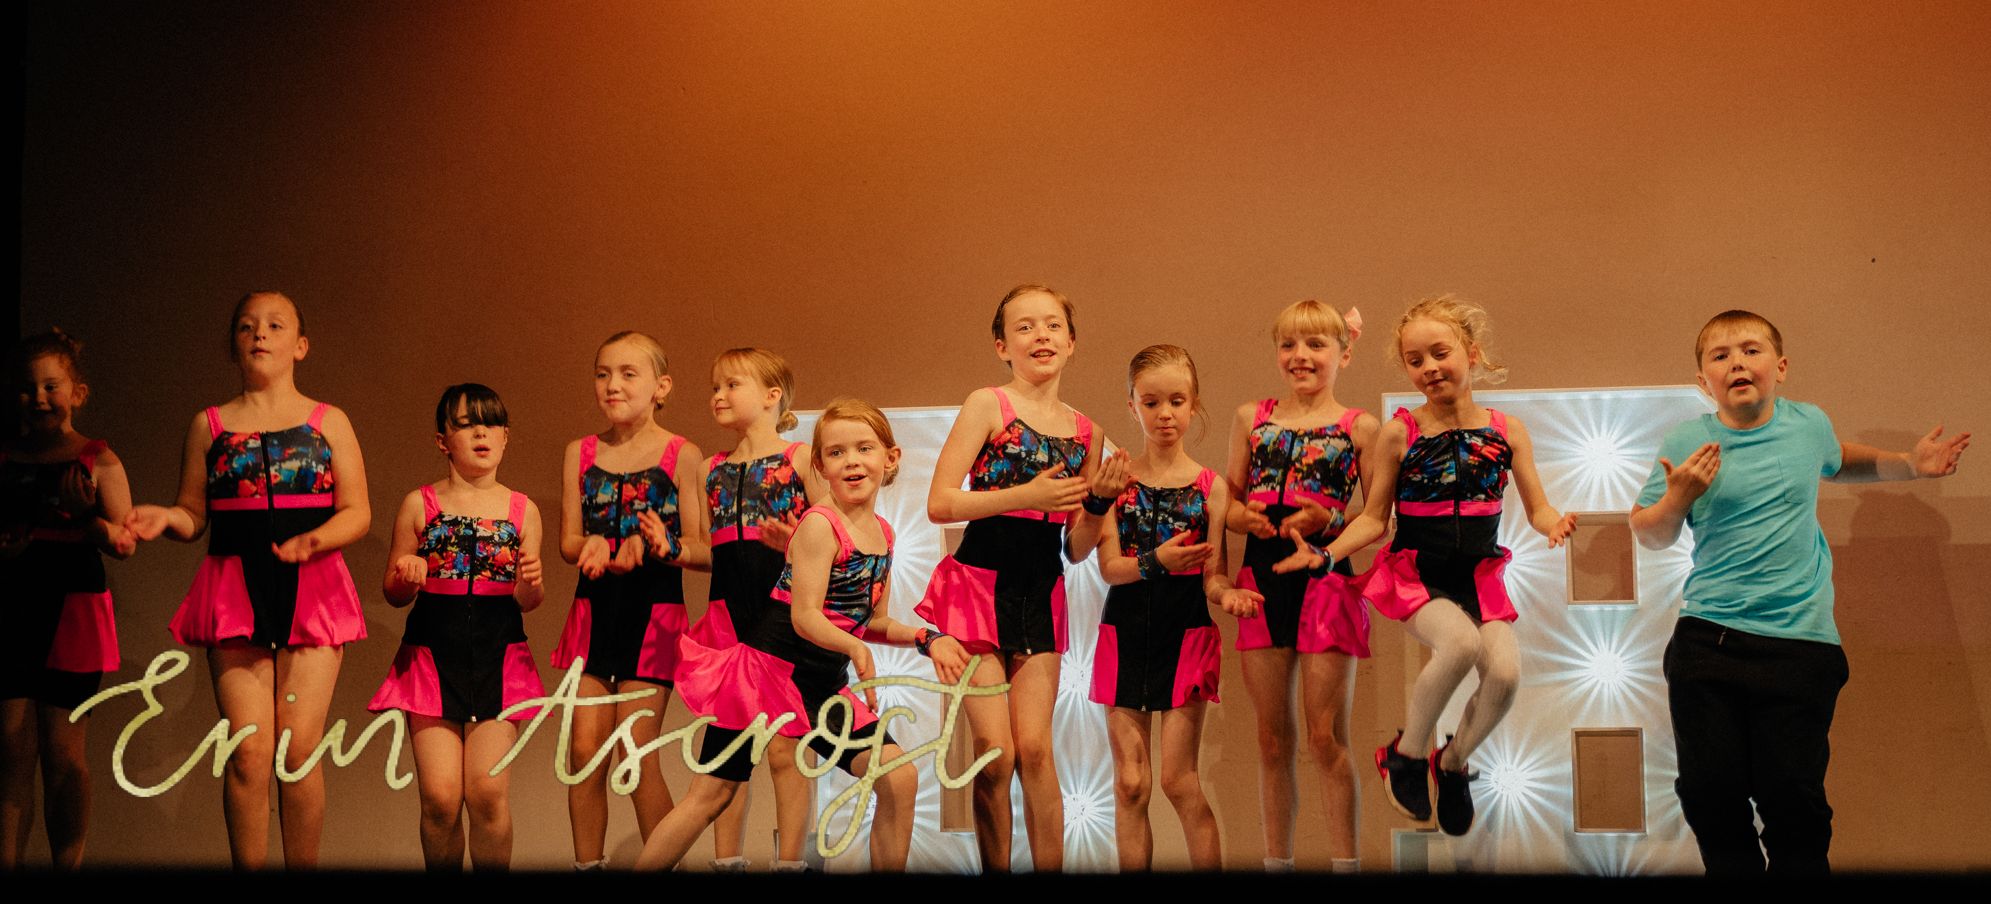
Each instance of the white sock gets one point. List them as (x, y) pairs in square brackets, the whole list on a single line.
[(1278, 864), (1349, 865), (592, 866), (791, 866), (730, 865)]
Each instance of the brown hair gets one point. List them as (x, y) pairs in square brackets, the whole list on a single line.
[(1732, 319), (1465, 318), (481, 405), (1071, 314), (1155, 356), (55, 343), (772, 372), (863, 412), (1312, 318), (242, 304)]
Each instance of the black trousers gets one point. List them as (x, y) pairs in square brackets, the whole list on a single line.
[(1750, 717)]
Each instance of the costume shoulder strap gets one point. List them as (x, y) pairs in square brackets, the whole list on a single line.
[(1206, 480), (88, 456), (1409, 424), (1084, 435), (517, 514), (430, 506), (843, 544), (587, 454), (1499, 421), (1264, 413), (1002, 400), (214, 430), (317, 418), (1347, 422), (668, 462)]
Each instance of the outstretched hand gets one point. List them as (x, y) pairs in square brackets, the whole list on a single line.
[(1113, 476), (1052, 492), (1255, 522), (628, 557), (297, 549), (1303, 558), (147, 522), (1178, 555), (1242, 603), (1692, 477), (775, 533), (1934, 456), (594, 556), (1311, 518), (1564, 526), (950, 659)]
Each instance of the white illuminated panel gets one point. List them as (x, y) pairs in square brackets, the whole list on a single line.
[(1582, 665), (1085, 762)]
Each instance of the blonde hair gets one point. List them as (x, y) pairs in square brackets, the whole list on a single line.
[(1731, 320), (1312, 318), (1071, 314), (1155, 356), (1465, 318), (650, 346), (772, 372), (863, 412)]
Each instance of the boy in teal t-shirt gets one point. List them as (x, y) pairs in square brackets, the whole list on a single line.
[(1754, 669)]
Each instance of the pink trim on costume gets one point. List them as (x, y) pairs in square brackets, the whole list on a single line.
[(461, 586), (1059, 621), (1034, 515), (278, 501), (217, 607), (715, 628), (861, 715), (214, 430), (1264, 413), (516, 514), (1252, 633), (658, 657), (335, 618), (1106, 665), (1084, 434), (86, 635), (88, 456), (1332, 618), (668, 461), (1440, 508), (1198, 667), (1494, 603), (317, 418), (587, 454), (846, 624), (58, 535), (521, 680), (738, 683), (960, 601), (1346, 423), (1410, 424), (729, 534), (412, 684), (1204, 481), (1002, 399), (1498, 421), (431, 509), (574, 636), (1393, 586)]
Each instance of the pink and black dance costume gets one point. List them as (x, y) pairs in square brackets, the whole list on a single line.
[(775, 670), (1158, 648), (464, 657), (61, 635), (627, 626), (1313, 614), (1447, 524), (1004, 587), (742, 495), (263, 489)]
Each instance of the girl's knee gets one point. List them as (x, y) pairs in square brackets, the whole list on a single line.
[(1183, 788), (1326, 742), (1131, 784), (441, 808), (1035, 756)]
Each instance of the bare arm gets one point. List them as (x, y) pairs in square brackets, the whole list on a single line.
[(811, 555), (405, 569), (1542, 516), (1657, 526), (530, 589), (186, 519), (113, 506), (1115, 566), (571, 537), (946, 502), (694, 521), (1932, 456), (1217, 586), (1245, 518), (1082, 528)]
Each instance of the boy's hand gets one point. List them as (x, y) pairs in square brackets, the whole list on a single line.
[(1934, 456), (1693, 476)]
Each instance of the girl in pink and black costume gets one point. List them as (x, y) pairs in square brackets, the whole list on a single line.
[(1443, 468), (1026, 458), (1295, 463), (755, 495), (831, 599), (278, 479), (623, 524), (65, 497), (1158, 650), (466, 553)]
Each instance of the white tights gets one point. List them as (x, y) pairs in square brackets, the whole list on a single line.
[(1457, 647)]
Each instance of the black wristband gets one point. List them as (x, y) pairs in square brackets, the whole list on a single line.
[(923, 641), (1326, 561), (1098, 505), (1150, 565)]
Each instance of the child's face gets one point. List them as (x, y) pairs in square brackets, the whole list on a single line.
[(50, 394), (1310, 363), (266, 337), (1740, 368), (854, 460), (1165, 400), (627, 385), (1437, 359), (739, 401), (1037, 340), (473, 449)]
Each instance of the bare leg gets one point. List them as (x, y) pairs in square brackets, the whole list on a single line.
[(587, 800), (65, 776), (1499, 676), (729, 834), (892, 827), (439, 776), (245, 692), (1327, 689), (681, 827), (794, 795), (652, 797), (1033, 698), (488, 796), (1454, 642), (1182, 783), (1133, 783), (1268, 678), (988, 719), (305, 679), (18, 759)]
